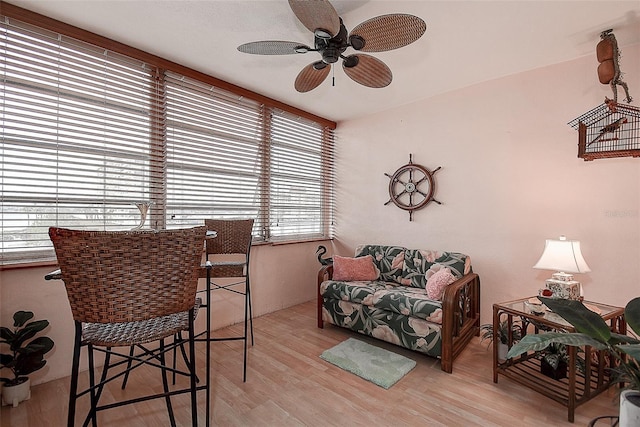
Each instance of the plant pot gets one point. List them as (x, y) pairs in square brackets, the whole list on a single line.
[(14, 394), (630, 408), (558, 373), (503, 349)]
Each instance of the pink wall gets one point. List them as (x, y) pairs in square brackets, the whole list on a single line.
[(510, 179)]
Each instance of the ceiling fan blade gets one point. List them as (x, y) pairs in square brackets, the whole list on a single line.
[(367, 71), (317, 15), (387, 32), (310, 77), (273, 47)]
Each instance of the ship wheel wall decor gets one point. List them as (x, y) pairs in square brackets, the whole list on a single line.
[(412, 187)]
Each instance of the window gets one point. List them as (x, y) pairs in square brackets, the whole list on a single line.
[(299, 167), (215, 152), (88, 132)]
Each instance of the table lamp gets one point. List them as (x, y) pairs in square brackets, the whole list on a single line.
[(564, 257)]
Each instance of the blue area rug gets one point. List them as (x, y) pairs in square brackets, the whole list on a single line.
[(380, 366)]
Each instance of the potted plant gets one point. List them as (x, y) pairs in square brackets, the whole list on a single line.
[(503, 336), (593, 331), (26, 355), (553, 362)]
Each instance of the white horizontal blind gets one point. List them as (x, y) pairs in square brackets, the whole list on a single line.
[(301, 178), (75, 136), (87, 133), (215, 151)]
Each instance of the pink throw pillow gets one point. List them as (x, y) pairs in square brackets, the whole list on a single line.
[(438, 282), (350, 269)]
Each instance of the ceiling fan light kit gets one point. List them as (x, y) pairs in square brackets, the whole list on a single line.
[(331, 40)]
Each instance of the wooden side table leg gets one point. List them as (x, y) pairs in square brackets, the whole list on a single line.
[(496, 339), (572, 383)]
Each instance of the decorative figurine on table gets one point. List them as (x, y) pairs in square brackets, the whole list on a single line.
[(143, 207)]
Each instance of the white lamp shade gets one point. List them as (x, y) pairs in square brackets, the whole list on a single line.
[(562, 255)]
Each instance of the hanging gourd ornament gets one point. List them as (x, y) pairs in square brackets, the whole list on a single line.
[(609, 72), (412, 187)]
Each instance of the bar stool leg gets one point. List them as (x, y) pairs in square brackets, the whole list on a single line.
[(208, 350), (165, 384), (92, 387), (192, 369), (128, 369), (75, 367), (248, 292), (246, 313)]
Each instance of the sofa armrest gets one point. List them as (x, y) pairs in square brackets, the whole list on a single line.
[(325, 273), (460, 317)]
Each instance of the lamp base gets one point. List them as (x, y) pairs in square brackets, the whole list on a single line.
[(563, 289), (562, 277)]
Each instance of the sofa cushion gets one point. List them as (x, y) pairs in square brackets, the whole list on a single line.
[(409, 301), (356, 292), (420, 264), (437, 283), (388, 259), (360, 268), (403, 300)]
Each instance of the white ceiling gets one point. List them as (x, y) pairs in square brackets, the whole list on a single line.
[(466, 42)]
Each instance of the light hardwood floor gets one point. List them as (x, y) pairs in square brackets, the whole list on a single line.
[(289, 385)]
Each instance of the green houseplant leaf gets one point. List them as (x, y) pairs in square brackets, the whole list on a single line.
[(21, 317), (632, 350), (26, 353), (503, 332), (582, 319), (27, 332), (622, 339), (538, 342), (632, 314), (632, 346)]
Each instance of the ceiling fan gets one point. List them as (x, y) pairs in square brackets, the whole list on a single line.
[(331, 40)]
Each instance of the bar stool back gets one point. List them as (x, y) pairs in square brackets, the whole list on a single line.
[(129, 288), (228, 255)]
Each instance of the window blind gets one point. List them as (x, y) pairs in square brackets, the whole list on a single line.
[(75, 136), (215, 152), (301, 174), (228, 157), (88, 133)]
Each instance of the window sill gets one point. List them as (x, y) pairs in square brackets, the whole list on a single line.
[(15, 264), (52, 262)]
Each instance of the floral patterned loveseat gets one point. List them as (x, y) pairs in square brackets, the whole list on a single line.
[(396, 307)]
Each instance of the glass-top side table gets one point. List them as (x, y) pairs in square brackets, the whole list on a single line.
[(588, 370)]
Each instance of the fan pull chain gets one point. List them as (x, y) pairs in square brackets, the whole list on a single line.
[(333, 76)]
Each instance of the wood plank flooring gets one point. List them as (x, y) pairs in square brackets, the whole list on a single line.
[(289, 385)]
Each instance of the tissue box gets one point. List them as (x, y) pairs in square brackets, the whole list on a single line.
[(564, 289)]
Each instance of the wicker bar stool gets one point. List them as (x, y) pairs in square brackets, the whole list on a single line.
[(130, 288), (228, 257)]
